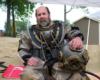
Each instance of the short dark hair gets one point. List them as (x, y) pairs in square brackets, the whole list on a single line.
[(46, 9)]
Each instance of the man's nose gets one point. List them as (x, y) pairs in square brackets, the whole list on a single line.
[(42, 16)]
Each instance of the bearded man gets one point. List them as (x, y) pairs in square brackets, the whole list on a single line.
[(44, 46)]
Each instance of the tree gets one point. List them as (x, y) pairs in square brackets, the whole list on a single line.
[(21, 26), (16, 9), (66, 22)]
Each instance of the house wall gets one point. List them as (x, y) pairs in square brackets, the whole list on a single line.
[(94, 30)]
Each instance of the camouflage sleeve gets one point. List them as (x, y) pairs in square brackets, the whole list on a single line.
[(24, 46), (73, 32)]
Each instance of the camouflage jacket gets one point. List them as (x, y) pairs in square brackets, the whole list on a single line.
[(28, 48)]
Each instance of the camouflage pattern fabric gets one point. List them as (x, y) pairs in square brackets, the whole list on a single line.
[(61, 71)]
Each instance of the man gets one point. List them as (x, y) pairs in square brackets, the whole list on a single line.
[(44, 46)]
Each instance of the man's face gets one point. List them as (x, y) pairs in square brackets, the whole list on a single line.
[(43, 18)]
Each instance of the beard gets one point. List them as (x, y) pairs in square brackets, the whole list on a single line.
[(43, 23)]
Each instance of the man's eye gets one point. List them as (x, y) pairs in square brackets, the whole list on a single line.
[(43, 13), (39, 14)]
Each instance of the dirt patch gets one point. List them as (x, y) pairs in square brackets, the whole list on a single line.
[(8, 50)]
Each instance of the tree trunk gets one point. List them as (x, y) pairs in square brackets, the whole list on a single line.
[(8, 27), (13, 23)]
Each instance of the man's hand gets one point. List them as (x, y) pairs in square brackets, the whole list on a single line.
[(33, 61), (76, 43)]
